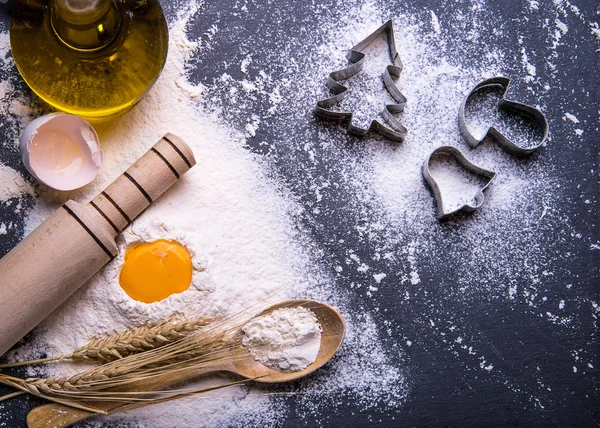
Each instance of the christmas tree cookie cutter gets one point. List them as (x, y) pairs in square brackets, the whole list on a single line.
[(392, 128), (435, 188), (534, 114)]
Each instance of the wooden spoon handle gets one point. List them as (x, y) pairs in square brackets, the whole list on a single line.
[(56, 415)]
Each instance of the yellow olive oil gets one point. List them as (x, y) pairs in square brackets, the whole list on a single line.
[(92, 58)]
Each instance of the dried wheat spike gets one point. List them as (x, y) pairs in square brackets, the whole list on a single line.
[(118, 345), (56, 385)]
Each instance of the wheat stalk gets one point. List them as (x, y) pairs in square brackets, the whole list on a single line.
[(119, 345)]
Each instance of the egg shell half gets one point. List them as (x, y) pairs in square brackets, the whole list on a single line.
[(80, 132)]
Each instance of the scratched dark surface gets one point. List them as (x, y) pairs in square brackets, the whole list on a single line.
[(528, 351)]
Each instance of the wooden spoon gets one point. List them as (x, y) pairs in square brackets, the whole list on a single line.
[(56, 415)]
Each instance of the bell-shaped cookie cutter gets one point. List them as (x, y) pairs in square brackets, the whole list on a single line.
[(465, 163), (394, 130), (523, 109)]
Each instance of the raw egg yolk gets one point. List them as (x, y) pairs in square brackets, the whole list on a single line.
[(152, 271)]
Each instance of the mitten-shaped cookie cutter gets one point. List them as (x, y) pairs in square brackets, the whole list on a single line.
[(532, 113)]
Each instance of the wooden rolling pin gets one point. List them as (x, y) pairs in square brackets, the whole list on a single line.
[(77, 240)]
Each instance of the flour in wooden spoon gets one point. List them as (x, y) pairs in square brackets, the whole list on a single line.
[(287, 339)]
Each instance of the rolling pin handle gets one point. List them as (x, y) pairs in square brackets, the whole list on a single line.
[(133, 191)]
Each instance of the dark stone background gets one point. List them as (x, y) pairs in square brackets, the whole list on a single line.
[(444, 390)]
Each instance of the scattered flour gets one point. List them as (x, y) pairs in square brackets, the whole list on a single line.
[(287, 339), (595, 30), (435, 22), (561, 26), (13, 184), (529, 67), (378, 277), (571, 117)]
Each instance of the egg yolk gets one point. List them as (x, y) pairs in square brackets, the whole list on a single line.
[(152, 271)]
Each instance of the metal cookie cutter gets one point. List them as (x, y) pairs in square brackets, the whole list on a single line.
[(394, 129), (523, 109), (467, 164)]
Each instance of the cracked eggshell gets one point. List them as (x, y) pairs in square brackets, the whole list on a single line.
[(82, 138)]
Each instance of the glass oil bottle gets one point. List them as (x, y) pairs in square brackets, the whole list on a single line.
[(92, 58)]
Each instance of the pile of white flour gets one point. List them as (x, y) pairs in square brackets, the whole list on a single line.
[(287, 339)]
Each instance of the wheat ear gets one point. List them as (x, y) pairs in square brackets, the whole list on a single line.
[(119, 345)]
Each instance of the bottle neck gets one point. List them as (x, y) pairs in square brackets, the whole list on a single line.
[(85, 24)]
